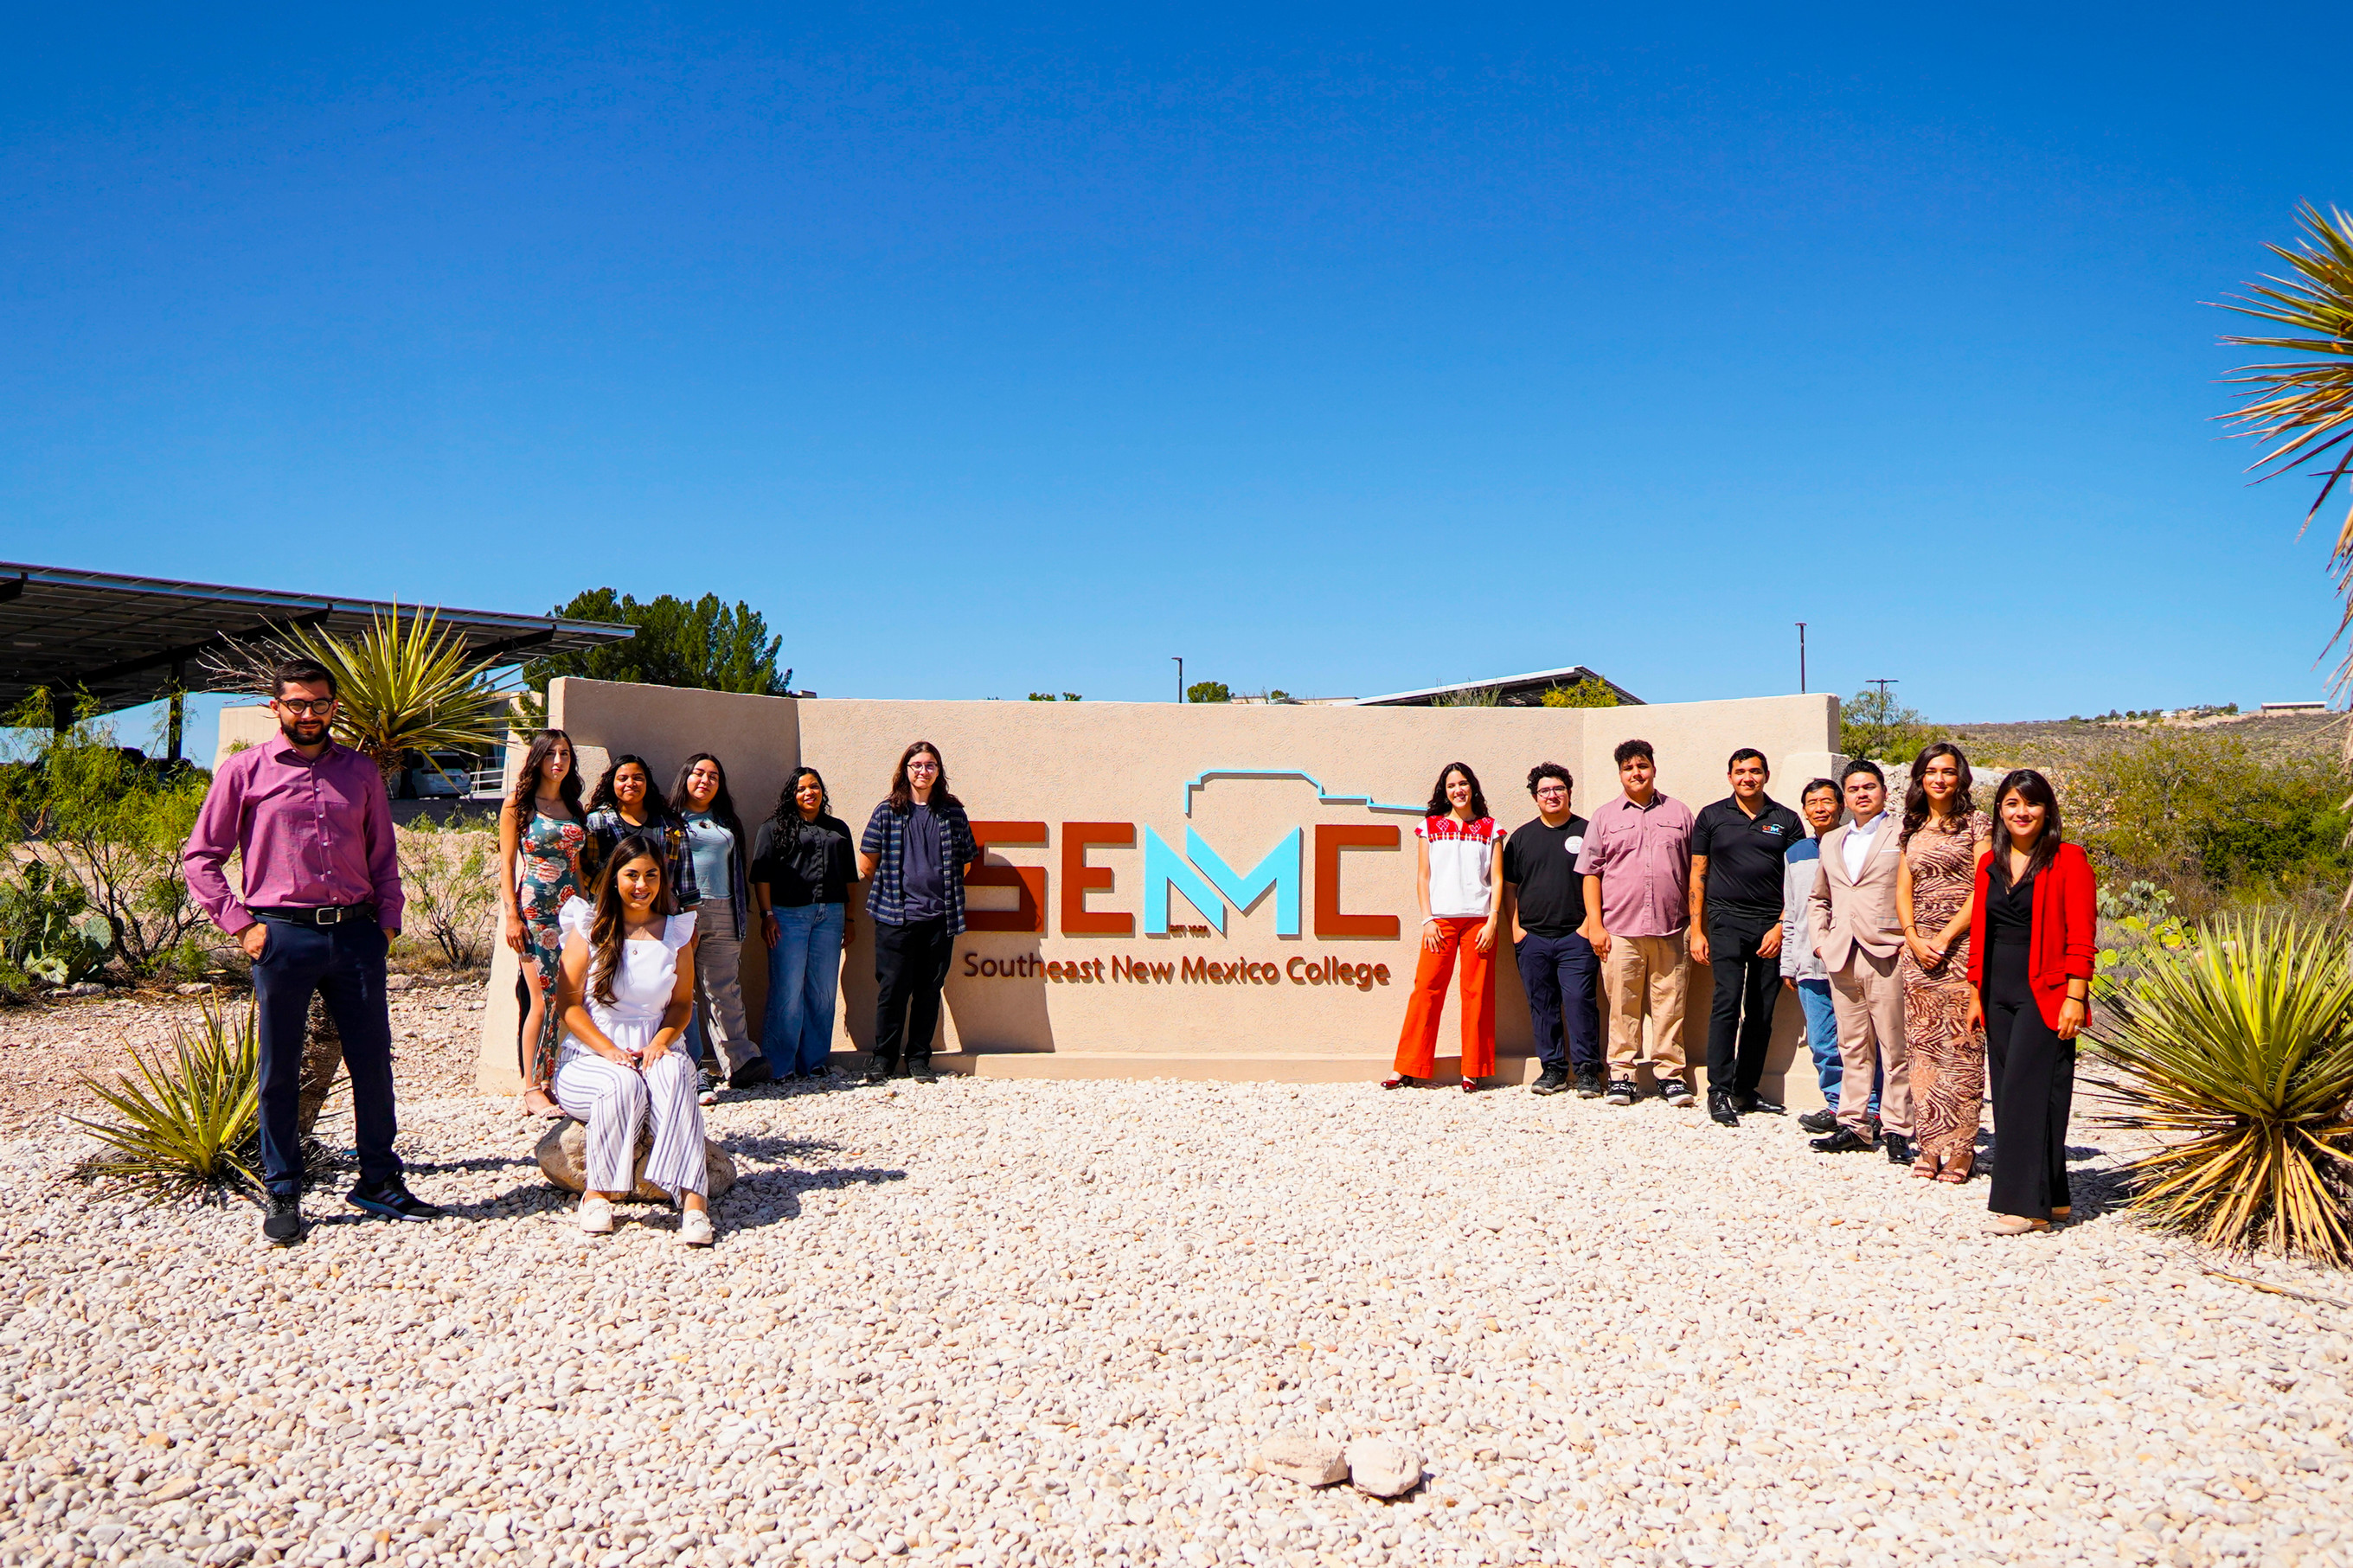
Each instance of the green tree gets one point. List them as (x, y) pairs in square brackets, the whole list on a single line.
[(2301, 410), (1873, 725), (2196, 808), (1049, 697), (704, 644), (1208, 691)]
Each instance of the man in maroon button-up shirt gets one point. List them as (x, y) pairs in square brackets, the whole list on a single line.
[(320, 901)]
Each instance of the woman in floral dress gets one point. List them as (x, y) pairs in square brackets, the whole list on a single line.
[(1944, 838), (542, 832)]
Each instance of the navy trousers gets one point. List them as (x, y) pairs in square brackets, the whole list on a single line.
[(1562, 977), (345, 965)]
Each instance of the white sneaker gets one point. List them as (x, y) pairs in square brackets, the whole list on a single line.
[(596, 1216), (694, 1227), (706, 1092)]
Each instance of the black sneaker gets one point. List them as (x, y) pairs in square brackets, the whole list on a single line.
[(756, 1070), (1622, 1091), (822, 1069), (282, 1218), (1899, 1148), (1843, 1141), (393, 1200), (1588, 1083), (922, 1073), (1719, 1107), (876, 1073), (1675, 1092), (1755, 1104), (1552, 1080), (1822, 1121)]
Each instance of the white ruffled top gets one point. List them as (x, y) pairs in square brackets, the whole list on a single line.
[(641, 987)]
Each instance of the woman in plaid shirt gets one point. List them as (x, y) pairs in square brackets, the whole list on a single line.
[(917, 851)]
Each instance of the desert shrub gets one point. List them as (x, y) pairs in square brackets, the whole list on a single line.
[(2234, 1054), (1476, 697), (1208, 691), (2204, 815), (102, 819), (188, 1123), (1591, 692), (447, 871)]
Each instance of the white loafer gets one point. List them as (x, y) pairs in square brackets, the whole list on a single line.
[(694, 1227), (596, 1216)]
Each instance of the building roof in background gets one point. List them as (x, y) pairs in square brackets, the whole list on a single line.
[(1517, 690), (126, 639)]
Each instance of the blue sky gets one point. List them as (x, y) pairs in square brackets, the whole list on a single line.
[(1341, 350)]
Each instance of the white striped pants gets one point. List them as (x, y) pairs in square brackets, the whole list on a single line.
[(614, 1103)]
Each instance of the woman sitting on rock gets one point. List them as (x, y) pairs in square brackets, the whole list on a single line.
[(626, 992)]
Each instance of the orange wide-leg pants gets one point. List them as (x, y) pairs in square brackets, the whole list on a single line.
[(1417, 1052)]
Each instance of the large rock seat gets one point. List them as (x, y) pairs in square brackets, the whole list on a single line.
[(563, 1155)]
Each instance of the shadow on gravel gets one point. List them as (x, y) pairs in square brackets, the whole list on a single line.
[(764, 1197)]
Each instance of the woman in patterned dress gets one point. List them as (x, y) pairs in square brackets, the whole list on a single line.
[(542, 832), (1944, 838)]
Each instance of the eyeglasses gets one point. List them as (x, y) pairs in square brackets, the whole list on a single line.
[(923, 765), (1543, 790), (299, 707)]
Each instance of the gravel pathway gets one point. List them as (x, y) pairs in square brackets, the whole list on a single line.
[(1001, 1322)]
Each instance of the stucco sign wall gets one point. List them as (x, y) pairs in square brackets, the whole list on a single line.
[(1204, 890)]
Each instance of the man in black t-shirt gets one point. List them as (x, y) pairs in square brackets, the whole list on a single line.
[(1544, 903), (1738, 845)]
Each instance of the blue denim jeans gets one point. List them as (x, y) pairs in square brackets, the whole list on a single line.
[(1821, 1038), (804, 978), (1562, 977)]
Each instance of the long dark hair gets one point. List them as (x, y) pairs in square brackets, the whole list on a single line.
[(722, 805), (526, 790), (1441, 806), (903, 793), (605, 929), (788, 810), (1916, 795), (602, 798), (2036, 791)]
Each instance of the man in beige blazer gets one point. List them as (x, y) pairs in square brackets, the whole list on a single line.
[(1852, 915)]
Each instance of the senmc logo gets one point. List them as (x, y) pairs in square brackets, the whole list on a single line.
[(1203, 876)]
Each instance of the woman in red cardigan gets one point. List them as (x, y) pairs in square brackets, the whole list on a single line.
[(2033, 970)]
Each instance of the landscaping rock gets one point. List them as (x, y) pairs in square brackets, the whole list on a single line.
[(1307, 1457), (563, 1155), (1382, 1468)]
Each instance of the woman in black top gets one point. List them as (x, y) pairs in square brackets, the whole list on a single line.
[(803, 863)]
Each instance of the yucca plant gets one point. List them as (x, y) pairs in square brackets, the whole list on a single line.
[(405, 684), (2302, 410), (2234, 1056), (189, 1122)]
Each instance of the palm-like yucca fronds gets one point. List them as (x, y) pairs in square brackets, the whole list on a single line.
[(2302, 410), (405, 686), (2235, 1055), (189, 1122)]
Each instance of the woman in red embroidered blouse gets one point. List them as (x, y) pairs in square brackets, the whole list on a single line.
[(1461, 865)]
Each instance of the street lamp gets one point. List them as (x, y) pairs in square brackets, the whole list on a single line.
[(1180, 675)]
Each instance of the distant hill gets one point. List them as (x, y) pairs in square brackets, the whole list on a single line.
[(2063, 744)]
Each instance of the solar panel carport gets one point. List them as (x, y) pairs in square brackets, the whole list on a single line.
[(126, 640)]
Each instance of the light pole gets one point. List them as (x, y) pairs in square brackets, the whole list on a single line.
[(1180, 675), (1801, 656)]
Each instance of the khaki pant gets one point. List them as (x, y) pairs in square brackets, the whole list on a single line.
[(1652, 969), (1868, 997)]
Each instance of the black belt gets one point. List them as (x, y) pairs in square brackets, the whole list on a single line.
[(330, 914)]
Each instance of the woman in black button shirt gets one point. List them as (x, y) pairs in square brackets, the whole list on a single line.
[(803, 863)]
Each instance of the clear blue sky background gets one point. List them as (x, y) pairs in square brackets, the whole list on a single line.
[(1338, 351)]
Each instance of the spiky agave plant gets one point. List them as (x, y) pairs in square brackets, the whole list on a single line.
[(2235, 1057), (190, 1122)]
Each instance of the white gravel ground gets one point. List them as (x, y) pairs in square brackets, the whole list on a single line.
[(1003, 1323)]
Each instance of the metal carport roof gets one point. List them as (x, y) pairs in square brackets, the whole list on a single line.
[(126, 640)]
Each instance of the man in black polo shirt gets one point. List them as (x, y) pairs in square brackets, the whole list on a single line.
[(1544, 903), (1737, 849)]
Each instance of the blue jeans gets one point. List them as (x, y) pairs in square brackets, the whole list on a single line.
[(1821, 1038), (804, 976), (1562, 977)]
